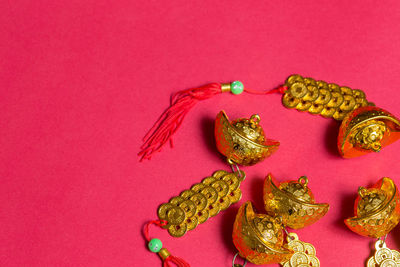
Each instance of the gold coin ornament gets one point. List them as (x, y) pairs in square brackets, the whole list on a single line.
[(384, 257), (204, 200), (304, 253), (314, 96)]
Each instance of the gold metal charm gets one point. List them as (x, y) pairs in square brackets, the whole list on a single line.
[(259, 237), (377, 212), (204, 200), (384, 257), (243, 141), (366, 130), (377, 209), (319, 97), (304, 253), (293, 201)]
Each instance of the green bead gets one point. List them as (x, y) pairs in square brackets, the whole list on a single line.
[(237, 87), (155, 245)]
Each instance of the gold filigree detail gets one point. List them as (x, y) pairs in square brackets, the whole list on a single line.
[(259, 237), (367, 129), (377, 209), (243, 141), (368, 135), (293, 201)]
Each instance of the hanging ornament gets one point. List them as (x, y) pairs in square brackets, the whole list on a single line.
[(259, 237), (376, 213), (243, 142), (365, 128)]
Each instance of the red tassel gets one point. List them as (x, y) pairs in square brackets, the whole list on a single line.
[(172, 118), (177, 261)]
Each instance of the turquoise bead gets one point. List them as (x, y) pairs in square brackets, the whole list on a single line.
[(155, 245), (237, 87)]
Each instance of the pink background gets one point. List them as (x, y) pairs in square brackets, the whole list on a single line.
[(82, 82)]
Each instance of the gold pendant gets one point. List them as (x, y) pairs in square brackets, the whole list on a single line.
[(304, 253), (384, 257)]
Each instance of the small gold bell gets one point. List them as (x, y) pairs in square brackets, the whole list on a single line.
[(243, 141)]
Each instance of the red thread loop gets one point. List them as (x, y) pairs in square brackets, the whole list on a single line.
[(159, 223), (170, 121), (170, 259)]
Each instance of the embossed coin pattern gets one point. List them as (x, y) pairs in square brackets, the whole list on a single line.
[(384, 257), (202, 201), (319, 97), (304, 253)]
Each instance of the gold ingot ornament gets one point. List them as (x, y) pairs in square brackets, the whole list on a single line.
[(377, 209), (293, 201), (243, 141), (377, 212), (259, 237)]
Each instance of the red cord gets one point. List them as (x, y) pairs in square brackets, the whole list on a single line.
[(147, 226), (280, 89)]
